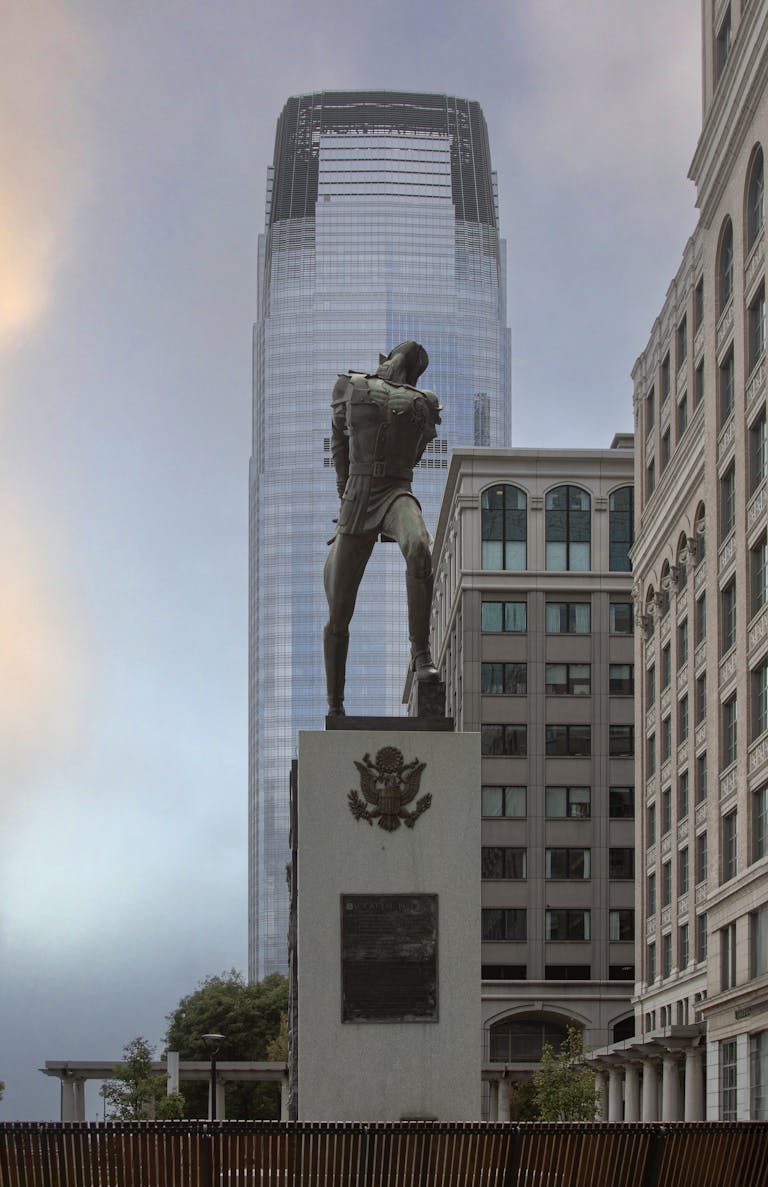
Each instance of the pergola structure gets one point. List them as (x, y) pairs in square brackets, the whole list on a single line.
[(630, 1073), (73, 1075)]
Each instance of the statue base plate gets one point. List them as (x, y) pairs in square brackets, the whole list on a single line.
[(401, 724)]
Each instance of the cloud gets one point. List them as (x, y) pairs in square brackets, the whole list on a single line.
[(46, 61), (42, 674), (606, 78)]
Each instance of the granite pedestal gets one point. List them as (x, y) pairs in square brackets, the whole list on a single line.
[(385, 944)]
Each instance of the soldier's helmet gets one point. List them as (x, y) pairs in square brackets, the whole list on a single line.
[(415, 358)]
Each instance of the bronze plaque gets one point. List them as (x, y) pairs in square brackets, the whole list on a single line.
[(389, 958)]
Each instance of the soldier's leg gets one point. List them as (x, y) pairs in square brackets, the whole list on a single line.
[(405, 523), (344, 568)]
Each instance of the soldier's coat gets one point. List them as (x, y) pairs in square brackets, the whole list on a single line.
[(379, 431)]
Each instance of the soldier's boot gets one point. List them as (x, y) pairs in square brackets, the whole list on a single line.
[(335, 647), (419, 591)]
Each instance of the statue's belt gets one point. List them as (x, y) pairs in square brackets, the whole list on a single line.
[(380, 470)]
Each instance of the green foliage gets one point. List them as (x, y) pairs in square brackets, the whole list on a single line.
[(564, 1085), (137, 1092), (249, 1017), (277, 1048), (2, 1088), (522, 1103), (170, 1107)]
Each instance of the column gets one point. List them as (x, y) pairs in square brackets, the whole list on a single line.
[(632, 1093), (78, 1087), (493, 1100), (670, 1089), (615, 1104), (221, 1108), (284, 1098), (67, 1097), (694, 1084), (650, 1092), (601, 1095), (172, 1067), (503, 1100)]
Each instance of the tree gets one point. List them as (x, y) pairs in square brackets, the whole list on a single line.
[(137, 1092), (248, 1015), (565, 1085), (522, 1103), (277, 1048)]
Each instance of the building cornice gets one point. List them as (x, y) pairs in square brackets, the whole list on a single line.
[(720, 903), (677, 485), (675, 305), (469, 463), (732, 111), (745, 1000)]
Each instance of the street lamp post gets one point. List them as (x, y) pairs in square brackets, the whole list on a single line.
[(213, 1043)]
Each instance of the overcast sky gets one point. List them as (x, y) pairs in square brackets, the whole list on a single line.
[(134, 141)]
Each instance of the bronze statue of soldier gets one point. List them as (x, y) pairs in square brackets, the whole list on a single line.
[(380, 426)]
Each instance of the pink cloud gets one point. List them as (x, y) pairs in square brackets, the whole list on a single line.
[(46, 62), (43, 683)]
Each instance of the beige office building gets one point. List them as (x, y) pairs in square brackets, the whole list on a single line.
[(701, 650), (533, 630)]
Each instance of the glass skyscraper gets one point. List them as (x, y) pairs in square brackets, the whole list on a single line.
[(381, 226)]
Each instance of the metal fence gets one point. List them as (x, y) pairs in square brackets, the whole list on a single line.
[(411, 1154)]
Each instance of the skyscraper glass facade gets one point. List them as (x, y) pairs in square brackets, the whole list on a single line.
[(381, 226)]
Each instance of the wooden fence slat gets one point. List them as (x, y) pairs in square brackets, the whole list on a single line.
[(24, 1144), (682, 1159), (25, 1149), (5, 1160), (16, 1160), (403, 1154), (9, 1158)]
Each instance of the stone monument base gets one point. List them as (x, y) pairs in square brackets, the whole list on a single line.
[(385, 936)]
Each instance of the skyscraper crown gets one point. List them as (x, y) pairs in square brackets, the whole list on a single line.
[(305, 118)]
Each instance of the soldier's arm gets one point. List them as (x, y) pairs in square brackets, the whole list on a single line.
[(430, 409), (339, 438), (434, 406)]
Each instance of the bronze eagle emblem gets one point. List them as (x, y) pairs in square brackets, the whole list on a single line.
[(388, 784)]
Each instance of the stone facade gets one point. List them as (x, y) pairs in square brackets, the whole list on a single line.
[(702, 643), (526, 596)]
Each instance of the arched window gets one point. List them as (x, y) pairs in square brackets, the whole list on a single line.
[(650, 605), (568, 529), (682, 562), (648, 609), (621, 508), (665, 586), (625, 1029), (725, 267), (521, 1040), (700, 534), (755, 198), (504, 528)]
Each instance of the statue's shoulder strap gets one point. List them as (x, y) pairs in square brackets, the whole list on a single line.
[(361, 386), (341, 389)]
